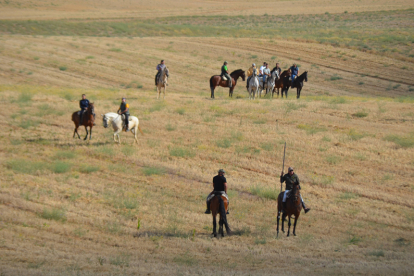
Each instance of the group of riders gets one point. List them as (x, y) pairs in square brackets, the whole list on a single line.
[(262, 73), (124, 107), (219, 181), (220, 188)]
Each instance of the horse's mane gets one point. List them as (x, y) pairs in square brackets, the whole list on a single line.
[(237, 71)]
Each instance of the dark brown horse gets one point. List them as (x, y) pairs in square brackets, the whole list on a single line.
[(293, 207), (87, 121), (218, 205), (298, 83), (280, 81), (218, 81)]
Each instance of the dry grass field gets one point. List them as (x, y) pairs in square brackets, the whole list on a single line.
[(74, 207)]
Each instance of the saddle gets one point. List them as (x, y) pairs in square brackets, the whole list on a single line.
[(224, 78), (123, 117)]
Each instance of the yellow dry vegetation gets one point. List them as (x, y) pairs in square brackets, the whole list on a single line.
[(74, 207)]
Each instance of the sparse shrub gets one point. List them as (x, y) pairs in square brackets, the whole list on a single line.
[(338, 100), (128, 150), (378, 253), (335, 77), (245, 231), (186, 259), (62, 68), (28, 123), (134, 84), (180, 111), (360, 114), (170, 127), (224, 143), (88, 169), (354, 135), (157, 107), (260, 241), (267, 146), (402, 141), (355, 239), (259, 122), (153, 170), (181, 152), (237, 136), (36, 58), (348, 195), (105, 151), (115, 50), (121, 260), (333, 159), (54, 214), (24, 98), (113, 227), (360, 156), (322, 180), (326, 139)]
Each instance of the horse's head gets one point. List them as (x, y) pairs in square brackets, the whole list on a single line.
[(243, 76), (91, 107), (105, 120), (238, 73), (166, 72)]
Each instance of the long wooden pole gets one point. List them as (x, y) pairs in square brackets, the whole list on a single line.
[(283, 168)]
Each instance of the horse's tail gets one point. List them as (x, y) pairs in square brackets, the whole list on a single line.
[(211, 82), (140, 130), (223, 214)]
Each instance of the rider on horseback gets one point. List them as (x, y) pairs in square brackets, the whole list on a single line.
[(124, 108), (250, 73), (291, 178), (279, 70), (84, 103), (294, 71), (225, 72), (220, 188), (159, 68), (266, 73)]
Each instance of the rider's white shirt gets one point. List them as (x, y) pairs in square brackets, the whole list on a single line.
[(261, 69)]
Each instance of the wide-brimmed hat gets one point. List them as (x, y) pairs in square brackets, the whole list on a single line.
[(290, 169), (221, 171)]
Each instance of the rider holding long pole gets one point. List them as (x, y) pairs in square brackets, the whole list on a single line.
[(291, 178)]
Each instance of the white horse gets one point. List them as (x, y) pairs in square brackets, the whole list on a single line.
[(253, 85), (162, 81), (270, 83), (116, 121)]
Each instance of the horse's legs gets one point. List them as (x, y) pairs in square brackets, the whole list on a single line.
[(165, 87), (278, 218), (86, 129), (298, 93), (212, 92), (214, 225), (90, 134), (289, 224), (134, 131), (294, 225), (283, 222)]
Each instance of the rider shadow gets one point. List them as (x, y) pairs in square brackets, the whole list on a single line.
[(159, 234)]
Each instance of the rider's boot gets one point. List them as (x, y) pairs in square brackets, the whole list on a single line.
[(304, 207), (208, 208)]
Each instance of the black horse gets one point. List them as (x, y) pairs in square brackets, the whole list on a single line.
[(217, 81), (298, 83)]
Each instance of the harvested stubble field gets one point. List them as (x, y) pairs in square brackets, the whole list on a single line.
[(71, 207)]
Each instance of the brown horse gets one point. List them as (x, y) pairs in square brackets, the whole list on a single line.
[(279, 82), (219, 205), (218, 81), (87, 121), (293, 207)]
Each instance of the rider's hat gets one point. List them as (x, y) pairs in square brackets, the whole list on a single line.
[(225, 62), (221, 171), (290, 169), (123, 98), (253, 64)]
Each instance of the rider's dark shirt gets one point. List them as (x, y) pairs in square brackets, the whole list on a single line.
[(84, 104), (218, 182), (290, 180), (123, 107), (278, 69)]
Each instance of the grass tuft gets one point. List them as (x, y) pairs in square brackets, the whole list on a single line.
[(181, 152), (268, 193), (54, 214), (153, 170), (401, 141)]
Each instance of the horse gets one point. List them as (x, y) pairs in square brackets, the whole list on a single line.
[(162, 81), (293, 207), (253, 85), (88, 121), (219, 205), (117, 124), (298, 83), (270, 83), (217, 80), (279, 82)]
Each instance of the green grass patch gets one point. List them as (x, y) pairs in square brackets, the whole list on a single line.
[(355, 135), (180, 110), (338, 100), (311, 129), (401, 141), (185, 259), (157, 106), (267, 146), (348, 195), (170, 127), (65, 155), (335, 77), (181, 152), (322, 180), (115, 50), (224, 143), (28, 123), (24, 98), (27, 166), (153, 170), (61, 167), (333, 159), (63, 68), (268, 193), (88, 169), (54, 214), (134, 84)]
